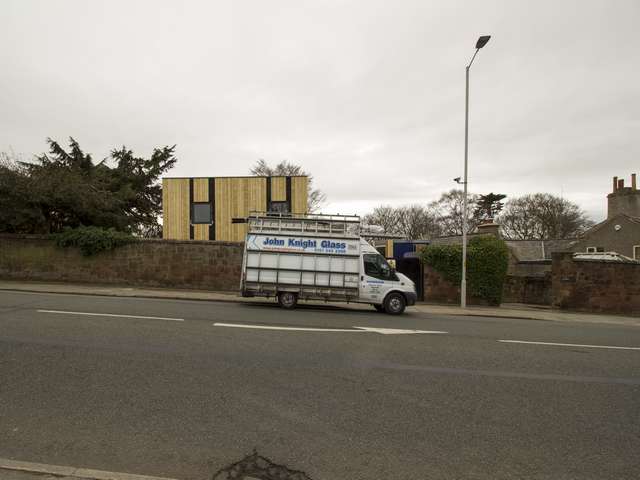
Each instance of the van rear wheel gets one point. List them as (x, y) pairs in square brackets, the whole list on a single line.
[(287, 300), (394, 304)]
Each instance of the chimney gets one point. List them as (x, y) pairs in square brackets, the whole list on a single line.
[(490, 228), (624, 200)]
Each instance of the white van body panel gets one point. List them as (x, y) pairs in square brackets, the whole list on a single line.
[(317, 265)]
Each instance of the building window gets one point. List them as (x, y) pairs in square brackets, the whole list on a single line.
[(201, 213), (279, 207), (636, 252)]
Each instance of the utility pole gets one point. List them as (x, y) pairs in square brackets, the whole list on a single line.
[(482, 41)]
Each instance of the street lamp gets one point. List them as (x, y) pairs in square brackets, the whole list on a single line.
[(482, 41)]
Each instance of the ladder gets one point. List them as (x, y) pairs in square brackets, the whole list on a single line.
[(343, 226)]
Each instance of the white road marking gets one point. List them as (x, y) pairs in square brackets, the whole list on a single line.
[(76, 472), (570, 345), (396, 331), (299, 329), (384, 331), (112, 315)]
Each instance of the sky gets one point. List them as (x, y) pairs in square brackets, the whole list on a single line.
[(366, 95)]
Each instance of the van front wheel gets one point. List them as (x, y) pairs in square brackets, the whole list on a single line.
[(394, 304), (287, 300)]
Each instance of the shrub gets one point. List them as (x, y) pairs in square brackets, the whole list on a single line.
[(446, 260), (92, 240), (487, 263)]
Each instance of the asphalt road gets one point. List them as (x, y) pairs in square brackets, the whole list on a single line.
[(177, 396)]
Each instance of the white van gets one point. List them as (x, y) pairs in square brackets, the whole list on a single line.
[(319, 257)]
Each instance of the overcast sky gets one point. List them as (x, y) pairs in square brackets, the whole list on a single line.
[(366, 95)]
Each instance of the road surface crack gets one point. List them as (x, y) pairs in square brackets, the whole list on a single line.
[(257, 467)]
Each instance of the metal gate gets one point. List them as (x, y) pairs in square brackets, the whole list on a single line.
[(412, 268)]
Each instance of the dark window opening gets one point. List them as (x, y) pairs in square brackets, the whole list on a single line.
[(279, 207), (201, 213)]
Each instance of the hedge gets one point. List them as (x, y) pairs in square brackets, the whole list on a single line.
[(487, 263), (91, 240)]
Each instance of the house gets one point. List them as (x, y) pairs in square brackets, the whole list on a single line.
[(526, 257), (620, 232), (528, 274), (215, 208)]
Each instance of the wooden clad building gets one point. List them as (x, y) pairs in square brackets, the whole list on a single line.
[(215, 208)]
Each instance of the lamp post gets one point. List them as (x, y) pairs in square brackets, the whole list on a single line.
[(482, 41)]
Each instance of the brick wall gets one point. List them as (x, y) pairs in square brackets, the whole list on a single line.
[(595, 285), (150, 263)]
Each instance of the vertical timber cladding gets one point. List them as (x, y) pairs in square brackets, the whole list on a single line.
[(278, 189), (298, 192), (231, 198), (292, 190), (235, 198), (176, 209), (389, 248)]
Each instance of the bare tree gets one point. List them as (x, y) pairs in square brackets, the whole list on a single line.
[(315, 197), (449, 212), (409, 221), (543, 216), (416, 222), (384, 216)]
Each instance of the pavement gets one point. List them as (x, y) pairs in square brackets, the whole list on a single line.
[(183, 389), (521, 311)]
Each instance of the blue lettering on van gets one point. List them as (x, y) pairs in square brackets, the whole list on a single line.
[(273, 241), (299, 243), (334, 245)]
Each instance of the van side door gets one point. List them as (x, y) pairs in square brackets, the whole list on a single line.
[(376, 278)]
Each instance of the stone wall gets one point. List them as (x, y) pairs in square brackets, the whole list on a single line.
[(537, 268), (437, 289), (150, 263), (531, 289), (595, 285)]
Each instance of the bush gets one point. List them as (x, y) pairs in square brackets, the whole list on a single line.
[(446, 260), (92, 240), (487, 263)]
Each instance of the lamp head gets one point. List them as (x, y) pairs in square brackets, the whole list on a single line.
[(482, 41)]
